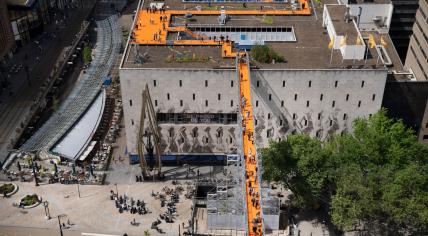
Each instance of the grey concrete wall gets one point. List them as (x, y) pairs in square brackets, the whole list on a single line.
[(193, 82), (269, 112), (284, 85)]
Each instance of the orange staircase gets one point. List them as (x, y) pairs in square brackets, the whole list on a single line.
[(255, 223)]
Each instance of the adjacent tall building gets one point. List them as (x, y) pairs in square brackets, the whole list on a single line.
[(7, 42), (417, 55), (403, 18)]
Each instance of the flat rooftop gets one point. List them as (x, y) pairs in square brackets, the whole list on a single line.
[(309, 50)]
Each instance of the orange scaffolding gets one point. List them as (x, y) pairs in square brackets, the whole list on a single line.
[(152, 28)]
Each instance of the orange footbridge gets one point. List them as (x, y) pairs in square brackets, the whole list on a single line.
[(152, 28), (252, 185)]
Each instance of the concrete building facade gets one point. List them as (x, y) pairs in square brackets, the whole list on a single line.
[(318, 91), (417, 55)]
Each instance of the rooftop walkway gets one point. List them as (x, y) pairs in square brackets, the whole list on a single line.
[(253, 181)]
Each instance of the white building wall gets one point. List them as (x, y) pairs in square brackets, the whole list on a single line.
[(269, 89), (283, 85)]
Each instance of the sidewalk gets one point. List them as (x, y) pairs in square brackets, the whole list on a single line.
[(40, 56)]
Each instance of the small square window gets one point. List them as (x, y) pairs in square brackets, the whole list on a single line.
[(231, 83), (206, 103), (307, 103), (335, 83), (130, 103), (154, 83), (132, 121), (194, 97), (283, 83), (310, 83), (219, 97), (206, 83), (258, 83), (231, 103), (167, 96), (181, 103), (181, 83), (156, 103)]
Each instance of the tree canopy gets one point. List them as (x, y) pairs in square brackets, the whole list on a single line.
[(375, 178)]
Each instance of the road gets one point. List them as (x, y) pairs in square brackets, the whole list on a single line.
[(15, 102)]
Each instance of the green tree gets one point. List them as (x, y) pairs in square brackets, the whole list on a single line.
[(375, 178)]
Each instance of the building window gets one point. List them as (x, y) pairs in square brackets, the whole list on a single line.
[(310, 83), (257, 103), (373, 97), (231, 103), (219, 97), (194, 97), (283, 83), (231, 83), (167, 96), (270, 97), (294, 116), (425, 137), (130, 103), (344, 116), (280, 122), (181, 83), (319, 116), (333, 103), (321, 96), (282, 103), (331, 122), (426, 125), (258, 83), (132, 121), (268, 116), (335, 83), (206, 103), (307, 103), (318, 134), (156, 103), (295, 97), (206, 83), (306, 122), (154, 83), (359, 103), (255, 122), (362, 83), (181, 103), (347, 97)]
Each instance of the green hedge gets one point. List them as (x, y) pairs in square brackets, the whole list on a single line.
[(265, 54)]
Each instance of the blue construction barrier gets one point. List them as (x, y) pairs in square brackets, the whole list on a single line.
[(193, 159)]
